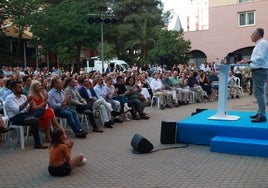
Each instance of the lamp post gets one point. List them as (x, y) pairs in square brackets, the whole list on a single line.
[(102, 47), (101, 18)]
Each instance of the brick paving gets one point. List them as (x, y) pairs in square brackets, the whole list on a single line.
[(112, 164)]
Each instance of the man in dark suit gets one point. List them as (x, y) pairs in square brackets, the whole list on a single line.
[(79, 104), (96, 104)]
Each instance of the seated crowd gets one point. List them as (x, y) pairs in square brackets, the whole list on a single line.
[(40, 98)]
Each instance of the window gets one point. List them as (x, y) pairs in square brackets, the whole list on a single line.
[(246, 18), (245, 1)]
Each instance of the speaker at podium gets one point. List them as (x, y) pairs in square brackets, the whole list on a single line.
[(141, 144)]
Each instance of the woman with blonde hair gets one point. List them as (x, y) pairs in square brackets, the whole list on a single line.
[(40, 100)]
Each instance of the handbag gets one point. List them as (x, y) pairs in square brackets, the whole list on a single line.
[(141, 97)]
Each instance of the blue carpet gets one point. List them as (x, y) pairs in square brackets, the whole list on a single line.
[(198, 129), (241, 146)]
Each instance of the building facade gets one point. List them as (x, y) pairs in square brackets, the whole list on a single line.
[(228, 29)]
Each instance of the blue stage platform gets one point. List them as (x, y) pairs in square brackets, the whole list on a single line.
[(235, 137)]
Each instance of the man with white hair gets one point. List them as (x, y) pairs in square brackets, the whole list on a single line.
[(159, 90), (259, 67), (205, 67)]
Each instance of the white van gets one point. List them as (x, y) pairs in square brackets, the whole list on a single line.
[(95, 65)]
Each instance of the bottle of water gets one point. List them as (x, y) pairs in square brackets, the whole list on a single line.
[(11, 144)]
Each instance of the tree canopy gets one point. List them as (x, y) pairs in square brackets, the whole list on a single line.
[(17, 12), (170, 48), (138, 36)]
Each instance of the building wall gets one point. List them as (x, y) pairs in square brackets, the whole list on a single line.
[(224, 35), (216, 3)]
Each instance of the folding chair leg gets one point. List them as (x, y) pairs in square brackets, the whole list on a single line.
[(84, 120), (22, 143), (158, 103)]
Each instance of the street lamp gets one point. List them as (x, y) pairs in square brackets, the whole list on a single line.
[(102, 47), (101, 19)]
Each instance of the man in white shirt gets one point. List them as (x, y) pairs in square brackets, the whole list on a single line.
[(233, 87), (17, 107), (158, 89), (259, 68), (238, 72), (205, 67), (101, 92)]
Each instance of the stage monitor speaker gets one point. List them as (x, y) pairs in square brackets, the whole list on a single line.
[(141, 144), (168, 132), (198, 110)]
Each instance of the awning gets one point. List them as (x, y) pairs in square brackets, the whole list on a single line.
[(11, 30)]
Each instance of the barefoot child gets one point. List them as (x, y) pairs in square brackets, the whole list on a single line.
[(60, 162)]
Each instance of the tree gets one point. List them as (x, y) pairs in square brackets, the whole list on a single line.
[(108, 49), (137, 21), (17, 12), (170, 48), (142, 38), (62, 28)]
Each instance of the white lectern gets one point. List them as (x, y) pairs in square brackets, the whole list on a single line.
[(222, 95)]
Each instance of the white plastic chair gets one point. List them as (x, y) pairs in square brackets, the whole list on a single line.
[(20, 129), (237, 82), (192, 96), (63, 123), (84, 120), (157, 101), (205, 94), (97, 114)]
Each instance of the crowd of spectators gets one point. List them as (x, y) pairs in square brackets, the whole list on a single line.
[(114, 96)]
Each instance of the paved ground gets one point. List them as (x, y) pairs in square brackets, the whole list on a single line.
[(111, 163)]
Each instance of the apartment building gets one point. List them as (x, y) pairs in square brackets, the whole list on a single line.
[(221, 28)]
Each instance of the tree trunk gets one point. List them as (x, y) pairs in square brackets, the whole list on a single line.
[(77, 57)]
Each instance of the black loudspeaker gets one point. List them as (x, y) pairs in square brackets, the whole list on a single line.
[(168, 132), (198, 110), (141, 144)]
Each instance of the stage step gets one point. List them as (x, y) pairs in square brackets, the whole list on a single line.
[(241, 146)]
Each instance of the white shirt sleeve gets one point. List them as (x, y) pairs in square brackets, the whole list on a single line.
[(12, 105)]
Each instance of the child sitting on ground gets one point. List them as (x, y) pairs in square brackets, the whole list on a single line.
[(60, 162)]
